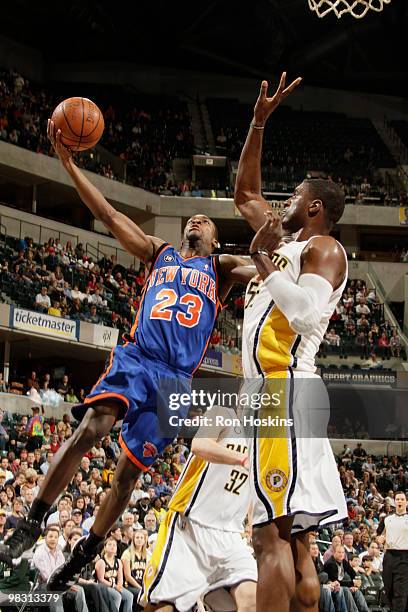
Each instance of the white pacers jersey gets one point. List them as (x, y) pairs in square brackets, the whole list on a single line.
[(215, 495), (268, 343)]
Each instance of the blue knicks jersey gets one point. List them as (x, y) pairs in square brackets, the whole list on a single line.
[(178, 309)]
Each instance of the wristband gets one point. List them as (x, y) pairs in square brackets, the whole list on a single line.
[(259, 252), (256, 127)]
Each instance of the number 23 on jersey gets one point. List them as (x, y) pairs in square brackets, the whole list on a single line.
[(166, 298)]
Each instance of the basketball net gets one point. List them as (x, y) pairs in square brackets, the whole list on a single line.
[(355, 8)]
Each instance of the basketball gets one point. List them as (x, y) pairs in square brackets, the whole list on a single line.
[(80, 121)]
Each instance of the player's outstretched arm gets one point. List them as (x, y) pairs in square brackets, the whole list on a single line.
[(210, 450), (248, 196), (234, 269), (129, 234), (206, 444)]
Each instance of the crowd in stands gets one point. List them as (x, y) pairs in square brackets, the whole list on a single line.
[(348, 556), (146, 133), (65, 281), (358, 327), (347, 149), (350, 568)]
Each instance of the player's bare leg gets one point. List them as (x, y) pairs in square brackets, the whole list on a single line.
[(276, 571), (161, 607), (244, 595), (111, 508), (95, 424), (307, 593)]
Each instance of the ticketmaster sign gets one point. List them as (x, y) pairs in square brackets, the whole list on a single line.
[(44, 324)]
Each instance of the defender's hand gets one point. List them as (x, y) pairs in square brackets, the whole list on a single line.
[(265, 106), (269, 235)]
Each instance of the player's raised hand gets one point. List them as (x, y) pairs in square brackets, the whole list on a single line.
[(269, 235), (61, 150), (265, 106)]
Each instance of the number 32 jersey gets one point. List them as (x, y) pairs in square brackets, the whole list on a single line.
[(178, 309), (215, 495)]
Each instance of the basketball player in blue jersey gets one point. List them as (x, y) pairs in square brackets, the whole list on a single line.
[(180, 302)]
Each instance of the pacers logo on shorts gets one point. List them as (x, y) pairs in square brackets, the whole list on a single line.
[(276, 480), (150, 571)]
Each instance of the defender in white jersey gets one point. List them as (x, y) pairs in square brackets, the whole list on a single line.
[(199, 547), (288, 306)]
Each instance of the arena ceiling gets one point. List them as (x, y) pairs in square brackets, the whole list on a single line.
[(258, 38)]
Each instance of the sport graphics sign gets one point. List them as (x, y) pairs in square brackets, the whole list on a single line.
[(44, 324), (359, 377)]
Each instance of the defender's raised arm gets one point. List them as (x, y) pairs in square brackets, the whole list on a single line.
[(248, 196)]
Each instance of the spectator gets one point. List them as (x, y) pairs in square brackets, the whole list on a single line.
[(64, 536), (361, 343), (395, 344), (338, 569), (215, 339), (71, 397), (384, 346), (42, 300), (134, 561), (47, 558), (87, 524), (109, 572), (98, 453), (150, 523), (63, 504), (362, 307), (63, 386), (16, 515), (331, 594), (116, 533), (348, 545), (55, 310), (362, 324), (159, 511), (370, 578), (4, 437), (111, 448), (332, 340), (159, 487), (137, 493), (329, 552)]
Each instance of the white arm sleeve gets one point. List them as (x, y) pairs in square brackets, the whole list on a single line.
[(303, 303)]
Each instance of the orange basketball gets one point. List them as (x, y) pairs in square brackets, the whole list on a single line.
[(80, 121)]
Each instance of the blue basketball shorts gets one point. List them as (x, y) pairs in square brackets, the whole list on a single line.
[(147, 391)]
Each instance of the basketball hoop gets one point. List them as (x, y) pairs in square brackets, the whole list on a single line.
[(356, 8)]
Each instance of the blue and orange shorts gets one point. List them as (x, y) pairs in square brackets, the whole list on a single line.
[(142, 386)]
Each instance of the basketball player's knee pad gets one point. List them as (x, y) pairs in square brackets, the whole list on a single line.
[(303, 303)]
